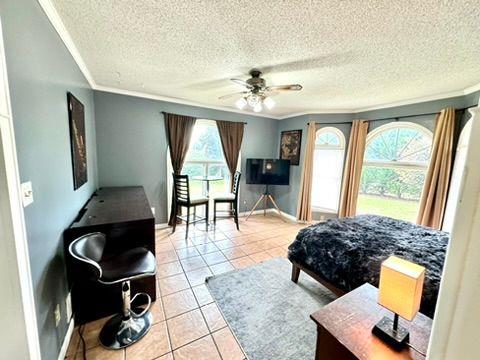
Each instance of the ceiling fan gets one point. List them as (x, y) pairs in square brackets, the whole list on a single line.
[(258, 94)]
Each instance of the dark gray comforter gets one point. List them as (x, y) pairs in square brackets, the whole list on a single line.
[(348, 252)]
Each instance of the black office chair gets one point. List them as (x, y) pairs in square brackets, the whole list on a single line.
[(181, 190), (230, 198), (129, 326)]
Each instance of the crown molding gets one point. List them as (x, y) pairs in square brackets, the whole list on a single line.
[(179, 101), (471, 89), (321, 111), (59, 26), (411, 101)]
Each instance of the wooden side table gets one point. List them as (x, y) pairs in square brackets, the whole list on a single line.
[(344, 329)]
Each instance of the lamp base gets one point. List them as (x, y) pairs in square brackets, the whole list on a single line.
[(385, 330)]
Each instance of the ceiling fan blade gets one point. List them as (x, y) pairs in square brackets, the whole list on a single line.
[(291, 87), (242, 82), (233, 94), (270, 93)]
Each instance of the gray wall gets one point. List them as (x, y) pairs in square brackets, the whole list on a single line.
[(40, 72), (287, 196), (132, 147)]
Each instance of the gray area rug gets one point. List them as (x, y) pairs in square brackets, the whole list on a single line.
[(268, 313)]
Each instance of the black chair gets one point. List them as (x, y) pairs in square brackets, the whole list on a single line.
[(230, 198), (130, 325), (181, 194)]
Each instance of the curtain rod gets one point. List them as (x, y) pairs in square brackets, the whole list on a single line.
[(243, 122), (389, 118)]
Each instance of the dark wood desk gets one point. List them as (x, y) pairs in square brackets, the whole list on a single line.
[(344, 329), (124, 215)]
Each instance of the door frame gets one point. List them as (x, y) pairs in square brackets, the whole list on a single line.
[(15, 225), (454, 328)]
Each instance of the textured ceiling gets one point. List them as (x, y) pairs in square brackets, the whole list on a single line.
[(347, 54)]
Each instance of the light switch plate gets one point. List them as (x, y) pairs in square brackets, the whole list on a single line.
[(58, 315), (68, 306), (27, 193)]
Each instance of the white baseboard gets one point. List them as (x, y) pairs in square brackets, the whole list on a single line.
[(256, 212), (161, 226), (269, 211), (289, 217), (66, 340)]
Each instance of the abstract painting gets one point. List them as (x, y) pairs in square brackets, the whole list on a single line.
[(290, 143), (76, 116)]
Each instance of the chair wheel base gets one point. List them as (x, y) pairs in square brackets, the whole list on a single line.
[(118, 333)]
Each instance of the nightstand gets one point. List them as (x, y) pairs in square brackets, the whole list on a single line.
[(344, 329)]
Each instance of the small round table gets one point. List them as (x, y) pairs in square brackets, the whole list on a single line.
[(207, 179)]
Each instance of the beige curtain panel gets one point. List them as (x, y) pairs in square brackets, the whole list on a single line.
[(353, 169), (231, 136), (435, 190), (179, 131), (304, 208)]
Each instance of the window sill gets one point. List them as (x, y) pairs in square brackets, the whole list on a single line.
[(326, 211)]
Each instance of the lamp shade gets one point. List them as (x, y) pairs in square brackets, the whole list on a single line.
[(401, 285)]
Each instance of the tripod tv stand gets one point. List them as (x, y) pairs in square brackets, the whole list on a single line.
[(266, 197)]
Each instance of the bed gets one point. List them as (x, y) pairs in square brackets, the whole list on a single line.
[(343, 254)]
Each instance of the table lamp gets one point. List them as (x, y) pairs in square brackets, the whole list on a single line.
[(400, 291)]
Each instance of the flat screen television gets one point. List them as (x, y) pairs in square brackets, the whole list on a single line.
[(268, 171)]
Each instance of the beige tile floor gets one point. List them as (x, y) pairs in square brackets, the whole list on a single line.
[(187, 322)]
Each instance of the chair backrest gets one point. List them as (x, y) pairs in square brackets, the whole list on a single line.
[(181, 188), (88, 250), (236, 183)]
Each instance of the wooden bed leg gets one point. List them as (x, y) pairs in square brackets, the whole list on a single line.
[(295, 273)]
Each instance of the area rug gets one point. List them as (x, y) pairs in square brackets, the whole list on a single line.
[(268, 313)]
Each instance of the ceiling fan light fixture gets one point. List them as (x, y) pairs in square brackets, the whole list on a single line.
[(253, 100), (255, 96), (269, 103), (258, 107), (241, 103)]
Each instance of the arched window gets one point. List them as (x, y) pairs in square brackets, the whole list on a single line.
[(456, 178), (394, 168), (327, 169)]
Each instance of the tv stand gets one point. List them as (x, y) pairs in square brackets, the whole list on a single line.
[(266, 197)]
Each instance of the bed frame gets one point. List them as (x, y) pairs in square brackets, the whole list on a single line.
[(296, 268)]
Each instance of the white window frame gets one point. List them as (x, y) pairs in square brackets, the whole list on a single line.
[(408, 165), (206, 163), (412, 165), (341, 146)]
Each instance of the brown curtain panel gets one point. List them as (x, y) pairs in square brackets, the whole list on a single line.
[(179, 131), (231, 136), (353, 169), (435, 190), (304, 207)]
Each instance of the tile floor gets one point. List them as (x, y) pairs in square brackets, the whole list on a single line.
[(187, 322)]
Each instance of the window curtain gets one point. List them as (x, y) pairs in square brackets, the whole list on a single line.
[(179, 131), (353, 168), (231, 136), (435, 190), (304, 207)]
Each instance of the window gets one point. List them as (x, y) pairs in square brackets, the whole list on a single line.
[(394, 168), (457, 175), (205, 158), (327, 169)]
